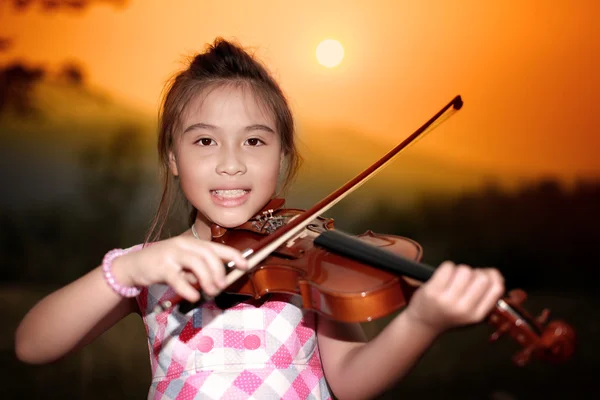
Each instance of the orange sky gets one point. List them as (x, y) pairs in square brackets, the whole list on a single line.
[(527, 71)]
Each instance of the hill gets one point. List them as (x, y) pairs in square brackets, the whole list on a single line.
[(45, 156)]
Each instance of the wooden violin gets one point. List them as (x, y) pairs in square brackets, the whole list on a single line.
[(360, 278)]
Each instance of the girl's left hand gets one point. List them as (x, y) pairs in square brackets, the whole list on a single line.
[(455, 296)]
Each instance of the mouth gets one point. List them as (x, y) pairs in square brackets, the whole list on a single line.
[(230, 197), (229, 193)]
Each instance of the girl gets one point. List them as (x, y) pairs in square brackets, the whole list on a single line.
[(226, 136)]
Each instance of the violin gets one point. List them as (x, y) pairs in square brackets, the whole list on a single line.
[(364, 277)]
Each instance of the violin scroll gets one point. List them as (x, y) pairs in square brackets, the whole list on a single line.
[(554, 342), (557, 342)]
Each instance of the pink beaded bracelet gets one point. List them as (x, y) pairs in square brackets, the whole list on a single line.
[(125, 291)]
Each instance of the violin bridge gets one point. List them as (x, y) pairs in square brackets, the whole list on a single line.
[(268, 222), (292, 241)]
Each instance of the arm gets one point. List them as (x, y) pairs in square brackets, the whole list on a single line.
[(454, 296), (347, 358), (70, 318), (75, 315)]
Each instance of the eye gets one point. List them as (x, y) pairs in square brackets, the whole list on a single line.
[(254, 142), (206, 142)]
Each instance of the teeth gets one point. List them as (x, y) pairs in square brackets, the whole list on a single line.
[(230, 193)]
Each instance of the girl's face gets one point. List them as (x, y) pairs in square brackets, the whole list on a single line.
[(227, 155)]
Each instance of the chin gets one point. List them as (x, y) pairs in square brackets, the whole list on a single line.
[(231, 221)]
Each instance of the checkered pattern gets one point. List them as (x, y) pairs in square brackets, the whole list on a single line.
[(250, 351)]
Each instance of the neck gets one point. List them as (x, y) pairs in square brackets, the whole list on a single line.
[(202, 228)]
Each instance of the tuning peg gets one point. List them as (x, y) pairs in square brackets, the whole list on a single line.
[(502, 329), (522, 357), (517, 296), (543, 317)]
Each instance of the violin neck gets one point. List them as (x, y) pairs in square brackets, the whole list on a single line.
[(356, 249)]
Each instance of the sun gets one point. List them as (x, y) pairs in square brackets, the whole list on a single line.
[(330, 53)]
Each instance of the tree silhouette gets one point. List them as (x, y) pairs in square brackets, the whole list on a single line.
[(50, 6), (72, 74), (62, 241), (16, 85), (56, 5), (541, 236)]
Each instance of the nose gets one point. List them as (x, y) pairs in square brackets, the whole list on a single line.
[(231, 162)]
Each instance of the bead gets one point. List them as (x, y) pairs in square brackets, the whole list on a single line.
[(125, 291)]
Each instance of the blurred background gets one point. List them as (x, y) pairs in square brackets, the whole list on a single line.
[(512, 180)]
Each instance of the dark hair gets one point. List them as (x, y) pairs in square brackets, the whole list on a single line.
[(222, 63)]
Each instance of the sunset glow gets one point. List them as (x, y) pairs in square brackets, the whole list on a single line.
[(529, 78)]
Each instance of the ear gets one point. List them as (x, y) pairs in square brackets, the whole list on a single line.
[(281, 160), (173, 164)]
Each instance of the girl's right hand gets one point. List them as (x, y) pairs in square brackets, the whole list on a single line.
[(181, 263)]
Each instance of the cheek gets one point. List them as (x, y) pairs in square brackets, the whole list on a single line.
[(271, 167), (192, 176), (185, 172), (191, 162)]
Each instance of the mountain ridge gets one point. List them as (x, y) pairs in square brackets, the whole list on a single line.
[(75, 118)]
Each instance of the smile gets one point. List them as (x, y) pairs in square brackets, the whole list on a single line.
[(230, 197), (229, 193)]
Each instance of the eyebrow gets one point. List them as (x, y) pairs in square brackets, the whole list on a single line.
[(259, 127), (199, 125), (249, 128)]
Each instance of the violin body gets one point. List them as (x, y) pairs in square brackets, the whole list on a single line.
[(334, 286), (348, 290)]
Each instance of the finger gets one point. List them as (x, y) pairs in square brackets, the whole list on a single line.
[(459, 282), (495, 275), (190, 277), (227, 254), (492, 295), (440, 278), (183, 288), (216, 267), (479, 285), (197, 265)]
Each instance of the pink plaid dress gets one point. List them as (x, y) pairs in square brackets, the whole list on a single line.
[(253, 350)]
